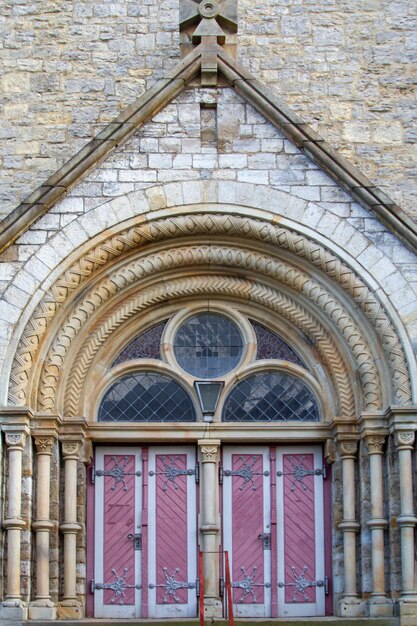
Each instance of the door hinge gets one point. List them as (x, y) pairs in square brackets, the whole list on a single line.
[(92, 586), (221, 587), (221, 474), (197, 473), (197, 587), (93, 474)]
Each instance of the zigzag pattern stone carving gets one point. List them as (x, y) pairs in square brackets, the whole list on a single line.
[(210, 225), (206, 255), (218, 286)]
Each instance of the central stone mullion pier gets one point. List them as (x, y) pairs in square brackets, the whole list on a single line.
[(70, 606), (379, 604), (407, 521), (43, 607), (351, 605), (210, 525)]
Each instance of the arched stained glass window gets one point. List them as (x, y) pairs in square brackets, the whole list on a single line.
[(272, 346), (147, 345), (146, 397), (271, 396)]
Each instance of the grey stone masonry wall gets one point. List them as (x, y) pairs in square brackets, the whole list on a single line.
[(68, 68), (243, 161)]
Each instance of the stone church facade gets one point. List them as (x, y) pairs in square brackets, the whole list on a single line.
[(207, 332)]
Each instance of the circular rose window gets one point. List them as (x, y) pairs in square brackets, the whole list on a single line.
[(208, 345)]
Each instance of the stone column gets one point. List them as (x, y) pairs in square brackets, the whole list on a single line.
[(13, 608), (407, 522), (351, 605), (379, 604), (210, 525), (42, 607), (70, 608)]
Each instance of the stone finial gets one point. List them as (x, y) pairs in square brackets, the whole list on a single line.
[(210, 18)]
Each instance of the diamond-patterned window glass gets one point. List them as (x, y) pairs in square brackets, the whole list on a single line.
[(271, 396), (208, 345), (147, 345), (146, 397), (271, 346)]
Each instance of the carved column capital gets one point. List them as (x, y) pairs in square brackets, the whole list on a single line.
[(44, 445), (15, 440), (404, 440), (209, 450), (348, 448), (375, 443), (71, 449)]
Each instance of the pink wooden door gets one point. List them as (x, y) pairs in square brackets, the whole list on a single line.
[(117, 565), (172, 533), (300, 530), (273, 528), (247, 528)]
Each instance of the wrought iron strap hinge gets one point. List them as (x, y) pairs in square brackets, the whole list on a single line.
[(171, 473), (118, 586), (301, 584), (117, 472), (172, 585), (299, 472), (245, 472)]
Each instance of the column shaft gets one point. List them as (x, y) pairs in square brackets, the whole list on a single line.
[(70, 527), (14, 523), (210, 526), (406, 520)]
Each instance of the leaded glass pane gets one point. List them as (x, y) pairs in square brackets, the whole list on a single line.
[(147, 345), (270, 397), (146, 397), (208, 345), (271, 346)]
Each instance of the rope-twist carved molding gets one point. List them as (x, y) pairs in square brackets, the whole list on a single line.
[(210, 225), (219, 286), (205, 255)]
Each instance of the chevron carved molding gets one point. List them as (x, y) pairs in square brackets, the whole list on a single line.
[(101, 255), (193, 256), (223, 286)]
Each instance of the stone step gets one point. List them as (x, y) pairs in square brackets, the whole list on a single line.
[(323, 621)]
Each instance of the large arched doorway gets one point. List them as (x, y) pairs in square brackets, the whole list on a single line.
[(116, 355), (210, 364)]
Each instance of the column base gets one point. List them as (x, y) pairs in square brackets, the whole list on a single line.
[(380, 606), (408, 611), (351, 606), (212, 608), (42, 609), (12, 611), (70, 609)]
